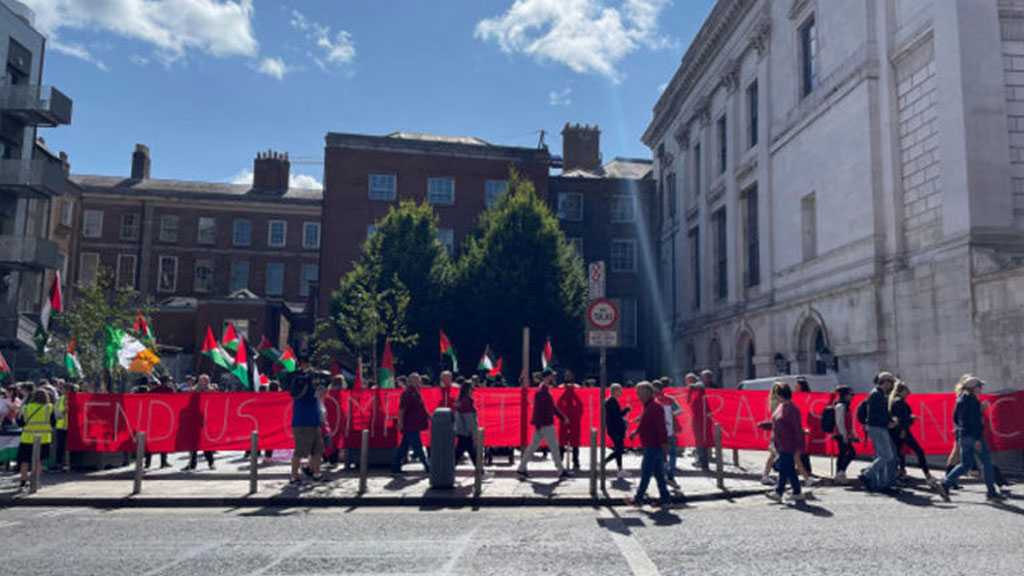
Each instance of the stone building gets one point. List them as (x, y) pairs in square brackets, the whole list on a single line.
[(841, 188)]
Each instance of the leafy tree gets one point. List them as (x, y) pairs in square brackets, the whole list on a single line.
[(519, 270)]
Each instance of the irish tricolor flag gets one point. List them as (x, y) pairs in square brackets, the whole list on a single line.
[(386, 376), (214, 352), (546, 355), (126, 351), (448, 350), (229, 340), (5, 369), (71, 363)]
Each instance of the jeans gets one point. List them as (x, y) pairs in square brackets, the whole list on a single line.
[(967, 454), (846, 454), (786, 465), (543, 433), (673, 454), (882, 471), (410, 440), (653, 465)]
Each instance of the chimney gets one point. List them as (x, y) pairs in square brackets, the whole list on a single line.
[(581, 148), (270, 171), (140, 162)]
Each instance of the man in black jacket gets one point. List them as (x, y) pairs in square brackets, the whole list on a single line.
[(970, 436), (882, 472)]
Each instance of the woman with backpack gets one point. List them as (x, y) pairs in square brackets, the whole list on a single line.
[(900, 411), (838, 421)]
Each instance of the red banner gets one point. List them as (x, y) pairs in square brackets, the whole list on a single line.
[(224, 421)]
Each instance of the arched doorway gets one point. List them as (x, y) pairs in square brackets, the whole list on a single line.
[(745, 353), (715, 361), (814, 352)]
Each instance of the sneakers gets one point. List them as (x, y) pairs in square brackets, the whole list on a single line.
[(994, 496), (774, 496), (295, 481), (840, 478), (672, 482), (565, 474), (523, 474), (943, 491), (767, 481)]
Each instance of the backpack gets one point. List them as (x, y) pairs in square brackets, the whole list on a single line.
[(862, 413), (828, 419)]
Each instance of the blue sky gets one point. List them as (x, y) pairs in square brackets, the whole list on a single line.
[(208, 83)]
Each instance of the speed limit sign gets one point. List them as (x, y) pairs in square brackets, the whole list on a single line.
[(602, 314)]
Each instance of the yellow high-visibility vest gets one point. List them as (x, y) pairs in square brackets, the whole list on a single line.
[(37, 423), (62, 412)]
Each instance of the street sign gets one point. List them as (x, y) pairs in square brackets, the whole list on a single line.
[(602, 338), (595, 277), (603, 323)]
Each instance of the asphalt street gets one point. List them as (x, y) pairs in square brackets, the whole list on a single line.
[(837, 532)]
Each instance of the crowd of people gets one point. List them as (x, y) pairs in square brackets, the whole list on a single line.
[(39, 411)]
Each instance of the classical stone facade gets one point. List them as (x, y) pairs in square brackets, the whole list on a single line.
[(841, 188)]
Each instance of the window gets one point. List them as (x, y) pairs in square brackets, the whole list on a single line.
[(168, 228), (275, 279), (310, 275), (493, 191), (623, 256), (241, 327), (383, 187), (311, 235), (577, 245), (670, 191), (627, 322), (447, 237), (721, 255), (203, 276), (126, 271), (723, 144), (277, 233), (750, 233), (92, 223), (67, 212), (239, 276), (207, 230), (809, 227), (88, 267), (696, 169), (570, 206), (129, 227), (623, 208), (167, 280), (242, 233), (695, 266), (441, 191), (752, 114), (808, 57)]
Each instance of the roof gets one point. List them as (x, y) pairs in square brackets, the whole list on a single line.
[(195, 189), (471, 140), (629, 168), (419, 143)]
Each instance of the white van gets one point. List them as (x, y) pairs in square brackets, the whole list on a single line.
[(817, 382)]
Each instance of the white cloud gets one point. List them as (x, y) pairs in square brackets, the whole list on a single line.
[(173, 27), (337, 51), (560, 97), (78, 51), (294, 180), (273, 67), (588, 36), (139, 60)]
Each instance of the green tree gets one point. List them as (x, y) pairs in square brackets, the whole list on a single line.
[(519, 270)]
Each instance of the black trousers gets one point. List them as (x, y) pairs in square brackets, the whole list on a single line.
[(846, 454), (465, 444), (193, 458), (618, 449), (163, 459), (909, 441)]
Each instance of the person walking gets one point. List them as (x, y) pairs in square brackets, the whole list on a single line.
[(412, 421), (203, 385), (843, 433), (880, 475), (672, 411), (653, 439), (543, 420), (615, 423), (465, 424), (901, 434), (570, 432), (970, 437), (769, 463), (166, 386), (702, 453), (306, 420), (788, 438), (37, 420)]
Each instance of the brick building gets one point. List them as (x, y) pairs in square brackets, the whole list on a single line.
[(204, 252)]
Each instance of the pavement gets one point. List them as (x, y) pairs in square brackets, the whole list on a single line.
[(228, 485)]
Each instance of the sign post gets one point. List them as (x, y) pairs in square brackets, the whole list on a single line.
[(602, 333)]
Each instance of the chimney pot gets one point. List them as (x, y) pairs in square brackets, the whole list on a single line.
[(271, 172), (581, 148), (140, 162)]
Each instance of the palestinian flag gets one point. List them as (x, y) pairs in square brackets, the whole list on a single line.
[(546, 355), (256, 378), (5, 369), (229, 341), (485, 364), (126, 351), (71, 363), (496, 370), (448, 350), (266, 350), (214, 352), (142, 331), (241, 367), (287, 362), (53, 303), (386, 375)]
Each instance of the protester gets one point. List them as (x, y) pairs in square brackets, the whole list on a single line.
[(166, 386), (970, 437), (543, 421), (769, 464), (653, 439), (61, 425), (843, 433), (880, 475), (412, 421), (306, 420), (803, 463), (203, 385), (37, 421), (615, 422), (672, 411), (570, 432), (707, 378), (449, 391), (901, 434), (787, 429), (701, 451), (465, 424)]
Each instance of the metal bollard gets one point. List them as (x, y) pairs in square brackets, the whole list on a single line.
[(720, 478), (478, 472), (593, 462), (37, 450), (364, 460), (254, 462), (140, 458), (735, 457)]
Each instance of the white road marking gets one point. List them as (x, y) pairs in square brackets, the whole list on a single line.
[(461, 545), (638, 560), (284, 555), (10, 524), (193, 553)]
